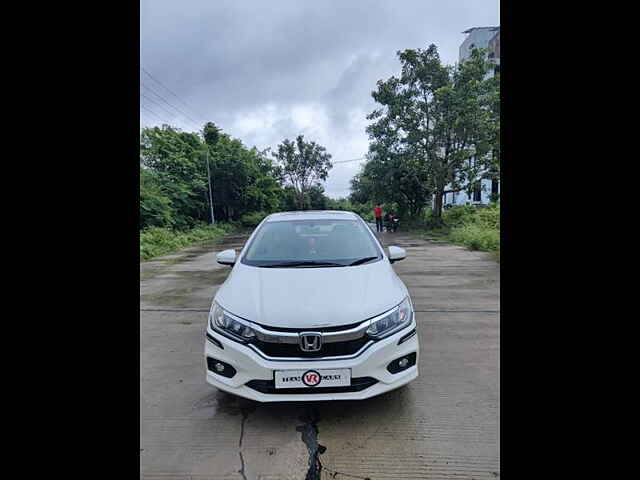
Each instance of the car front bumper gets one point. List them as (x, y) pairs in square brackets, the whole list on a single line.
[(371, 363)]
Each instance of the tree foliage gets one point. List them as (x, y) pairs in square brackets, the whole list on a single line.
[(302, 164), (155, 204), (174, 189), (435, 131), (174, 159), (176, 168)]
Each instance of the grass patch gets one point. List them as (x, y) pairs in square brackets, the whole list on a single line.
[(476, 237), (156, 241), (471, 227)]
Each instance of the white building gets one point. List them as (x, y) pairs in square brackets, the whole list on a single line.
[(489, 38)]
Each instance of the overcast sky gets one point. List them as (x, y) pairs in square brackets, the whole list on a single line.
[(266, 70)]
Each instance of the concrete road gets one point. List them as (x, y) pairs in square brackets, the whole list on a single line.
[(444, 425)]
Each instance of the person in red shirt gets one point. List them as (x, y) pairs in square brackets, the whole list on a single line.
[(377, 211)]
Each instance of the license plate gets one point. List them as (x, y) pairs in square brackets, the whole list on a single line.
[(311, 378)]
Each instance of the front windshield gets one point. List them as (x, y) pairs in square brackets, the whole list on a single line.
[(312, 243)]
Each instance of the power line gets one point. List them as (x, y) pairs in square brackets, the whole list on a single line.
[(168, 103), (171, 92), (155, 102), (154, 114), (171, 105), (161, 117), (171, 114), (159, 96), (168, 123)]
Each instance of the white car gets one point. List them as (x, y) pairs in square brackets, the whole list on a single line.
[(311, 310)]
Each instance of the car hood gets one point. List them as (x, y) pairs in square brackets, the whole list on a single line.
[(311, 297)]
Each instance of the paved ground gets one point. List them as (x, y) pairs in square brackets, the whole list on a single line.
[(444, 425)]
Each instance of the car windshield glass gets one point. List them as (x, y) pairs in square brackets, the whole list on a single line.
[(312, 243)]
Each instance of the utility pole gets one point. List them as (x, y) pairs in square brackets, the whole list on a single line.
[(213, 219)]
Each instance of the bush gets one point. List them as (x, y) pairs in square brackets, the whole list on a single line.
[(475, 228), (489, 217), (476, 237), (459, 215), (252, 219), (157, 241)]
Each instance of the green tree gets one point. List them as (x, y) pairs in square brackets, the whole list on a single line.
[(315, 197), (264, 190), (492, 102), (155, 204), (435, 130), (302, 164), (288, 199), (211, 134), (244, 180), (392, 178), (176, 159)]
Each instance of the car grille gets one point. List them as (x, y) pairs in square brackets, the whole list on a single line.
[(315, 329), (335, 349), (268, 386)]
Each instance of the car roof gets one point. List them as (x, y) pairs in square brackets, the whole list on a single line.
[(312, 215)]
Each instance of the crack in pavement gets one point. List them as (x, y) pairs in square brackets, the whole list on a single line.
[(309, 436), (241, 471), (245, 414)]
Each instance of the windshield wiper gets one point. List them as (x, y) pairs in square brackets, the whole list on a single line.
[(306, 263), (362, 260)]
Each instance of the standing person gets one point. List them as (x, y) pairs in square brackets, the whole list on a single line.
[(377, 211)]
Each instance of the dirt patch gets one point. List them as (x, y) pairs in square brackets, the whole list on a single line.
[(176, 297), (203, 277)]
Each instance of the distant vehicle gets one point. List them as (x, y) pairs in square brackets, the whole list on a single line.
[(312, 310), (392, 226)]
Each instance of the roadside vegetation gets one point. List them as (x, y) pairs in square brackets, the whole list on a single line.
[(436, 130), (468, 226), (183, 173), (156, 241)]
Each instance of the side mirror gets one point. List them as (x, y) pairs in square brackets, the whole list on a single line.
[(227, 257), (396, 254)]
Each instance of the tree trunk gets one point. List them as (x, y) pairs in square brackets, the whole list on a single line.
[(437, 205)]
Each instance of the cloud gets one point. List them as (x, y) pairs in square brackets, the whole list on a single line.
[(265, 71)]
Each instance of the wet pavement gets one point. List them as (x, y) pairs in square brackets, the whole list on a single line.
[(444, 425)]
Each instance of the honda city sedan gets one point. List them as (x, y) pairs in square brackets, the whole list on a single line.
[(311, 310)]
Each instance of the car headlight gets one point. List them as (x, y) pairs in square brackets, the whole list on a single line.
[(220, 320), (395, 320)]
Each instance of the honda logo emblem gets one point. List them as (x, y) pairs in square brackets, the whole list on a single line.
[(310, 341)]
